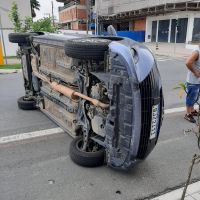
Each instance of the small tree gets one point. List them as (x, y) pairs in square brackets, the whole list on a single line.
[(27, 24), (44, 25), (15, 18)]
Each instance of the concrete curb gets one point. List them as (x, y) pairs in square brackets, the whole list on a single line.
[(10, 71), (182, 57)]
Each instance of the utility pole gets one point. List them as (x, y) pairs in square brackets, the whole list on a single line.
[(87, 13), (97, 8), (97, 22), (53, 20), (96, 17)]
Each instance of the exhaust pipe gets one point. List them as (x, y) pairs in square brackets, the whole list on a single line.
[(70, 92)]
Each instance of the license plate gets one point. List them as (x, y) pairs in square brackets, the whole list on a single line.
[(154, 121)]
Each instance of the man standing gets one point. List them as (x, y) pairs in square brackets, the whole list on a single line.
[(193, 84)]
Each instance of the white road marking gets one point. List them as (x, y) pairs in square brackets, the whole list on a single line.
[(177, 110), (174, 110), (163, 60), (53, 131), (30, 135)]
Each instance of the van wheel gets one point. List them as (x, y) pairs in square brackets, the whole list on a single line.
[(90, 158), (20, 38), (26, 104), (87, 48)]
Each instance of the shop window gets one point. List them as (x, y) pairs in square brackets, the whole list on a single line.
[(196, 30), (181, 24)]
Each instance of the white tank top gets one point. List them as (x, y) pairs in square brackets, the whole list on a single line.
[(191, 78)]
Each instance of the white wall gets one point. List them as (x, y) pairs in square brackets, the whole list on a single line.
[(24, 10), (189, 14), (128, 5)]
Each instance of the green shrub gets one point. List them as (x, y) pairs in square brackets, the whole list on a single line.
[(27, 24), (44, 25)]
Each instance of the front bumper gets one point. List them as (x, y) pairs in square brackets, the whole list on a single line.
[(134, 90)]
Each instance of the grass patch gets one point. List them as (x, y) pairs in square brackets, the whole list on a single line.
[(11, 57), (11, 66)]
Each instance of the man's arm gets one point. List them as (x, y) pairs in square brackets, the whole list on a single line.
[(190, 63)]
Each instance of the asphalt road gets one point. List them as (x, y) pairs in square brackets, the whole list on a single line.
[(172, 73), (12, 119), (41, 168)]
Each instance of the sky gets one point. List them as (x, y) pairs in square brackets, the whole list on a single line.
[(45, 8)]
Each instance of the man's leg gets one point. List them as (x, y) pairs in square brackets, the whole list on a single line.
[(189, 109), (191, 98), (196, 95)]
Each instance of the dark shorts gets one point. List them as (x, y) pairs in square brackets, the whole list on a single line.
[(192, 94)]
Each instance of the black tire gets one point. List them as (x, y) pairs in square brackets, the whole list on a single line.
[(26, 104), (20, 38), (87, 48), (86, 159)]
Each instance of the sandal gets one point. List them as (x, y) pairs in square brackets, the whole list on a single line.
[(195, 113), (190, 118)]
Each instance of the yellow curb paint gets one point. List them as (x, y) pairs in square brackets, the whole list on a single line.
[(1, 54)]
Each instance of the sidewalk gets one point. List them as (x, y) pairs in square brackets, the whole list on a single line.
[(193, 193), (10, 61), (170, 49)]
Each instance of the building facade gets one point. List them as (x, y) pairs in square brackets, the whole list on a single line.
[(7, 27), (162, 21), (74, 15)]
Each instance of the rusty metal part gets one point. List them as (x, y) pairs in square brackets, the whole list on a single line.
[(70, 92)]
